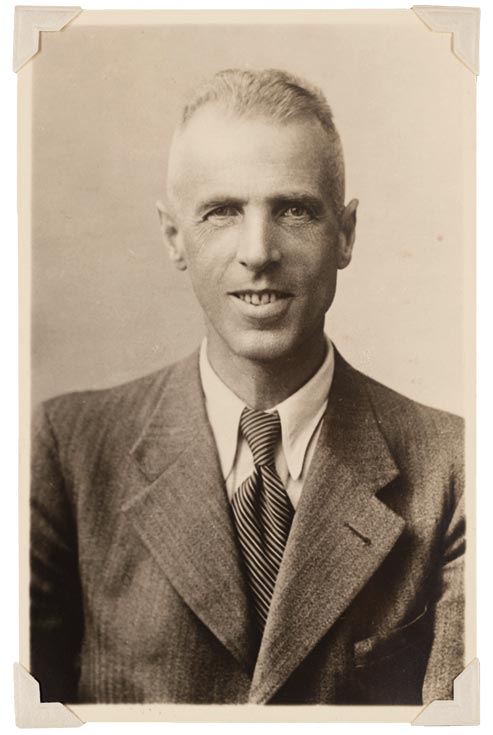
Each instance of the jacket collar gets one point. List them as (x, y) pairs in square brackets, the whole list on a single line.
[(340, 535), (341, 532), (183, 516)]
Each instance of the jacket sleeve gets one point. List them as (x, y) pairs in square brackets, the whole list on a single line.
[(446, 659), (56, 625)]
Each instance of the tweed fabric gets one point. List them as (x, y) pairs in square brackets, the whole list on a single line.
[(138, 588)]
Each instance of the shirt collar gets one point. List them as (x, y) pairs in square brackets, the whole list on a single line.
[(223, 410), (300, 413)]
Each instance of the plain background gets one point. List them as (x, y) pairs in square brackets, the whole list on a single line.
[(9, 423), (107, 304)]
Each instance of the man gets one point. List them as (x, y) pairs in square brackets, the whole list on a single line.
[(260, 522)]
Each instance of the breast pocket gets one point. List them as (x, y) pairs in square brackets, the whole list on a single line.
[(389, 667)]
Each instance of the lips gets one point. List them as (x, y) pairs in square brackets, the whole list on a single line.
[(260, 297)]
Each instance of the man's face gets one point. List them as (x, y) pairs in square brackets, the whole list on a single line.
[(253, 222)]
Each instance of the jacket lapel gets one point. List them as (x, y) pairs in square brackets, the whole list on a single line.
[(183, 516), (340, 535)]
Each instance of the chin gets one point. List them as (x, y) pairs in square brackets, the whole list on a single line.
[(265, 346)]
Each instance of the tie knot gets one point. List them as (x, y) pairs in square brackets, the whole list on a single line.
[(262, 431)]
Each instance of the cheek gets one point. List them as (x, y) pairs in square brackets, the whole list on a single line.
[(316, 266), (206, 269), (318, 279), (207, 249)]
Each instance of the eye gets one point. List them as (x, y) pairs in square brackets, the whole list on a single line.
[(297, 212), (223, 212)]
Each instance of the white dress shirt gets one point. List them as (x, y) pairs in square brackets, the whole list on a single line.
[(301, 417)]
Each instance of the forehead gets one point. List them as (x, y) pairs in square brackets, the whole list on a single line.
[(247, 157)]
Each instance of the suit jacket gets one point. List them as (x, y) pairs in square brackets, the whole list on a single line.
[(138, 588)]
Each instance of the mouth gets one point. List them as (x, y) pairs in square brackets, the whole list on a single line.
[(262, 297)]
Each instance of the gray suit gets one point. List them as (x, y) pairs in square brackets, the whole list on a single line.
[(138, 586)]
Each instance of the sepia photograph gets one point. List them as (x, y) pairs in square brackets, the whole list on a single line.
[(250, 361)]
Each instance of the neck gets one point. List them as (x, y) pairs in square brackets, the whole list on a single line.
[(262, 384)]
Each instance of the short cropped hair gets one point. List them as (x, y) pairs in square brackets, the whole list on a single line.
[(279, 96)]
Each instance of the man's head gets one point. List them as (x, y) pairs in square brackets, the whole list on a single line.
[(256, 211)]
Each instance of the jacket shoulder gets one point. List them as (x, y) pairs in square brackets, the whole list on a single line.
[(414, 429), (394, 406), (114, 409)]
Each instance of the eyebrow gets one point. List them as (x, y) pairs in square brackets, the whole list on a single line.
[(309, 200)]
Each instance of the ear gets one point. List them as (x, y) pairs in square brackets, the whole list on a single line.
[(347, 234), (171, 236)]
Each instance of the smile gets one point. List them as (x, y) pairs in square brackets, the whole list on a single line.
[(260, 298)]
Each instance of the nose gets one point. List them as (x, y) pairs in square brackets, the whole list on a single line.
[(257, 246)]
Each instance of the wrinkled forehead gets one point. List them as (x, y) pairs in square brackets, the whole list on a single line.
[(219, 149)]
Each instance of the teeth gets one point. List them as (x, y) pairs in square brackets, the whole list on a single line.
[(258, 299)]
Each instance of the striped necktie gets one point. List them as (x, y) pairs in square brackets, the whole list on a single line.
[(261, 509)]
